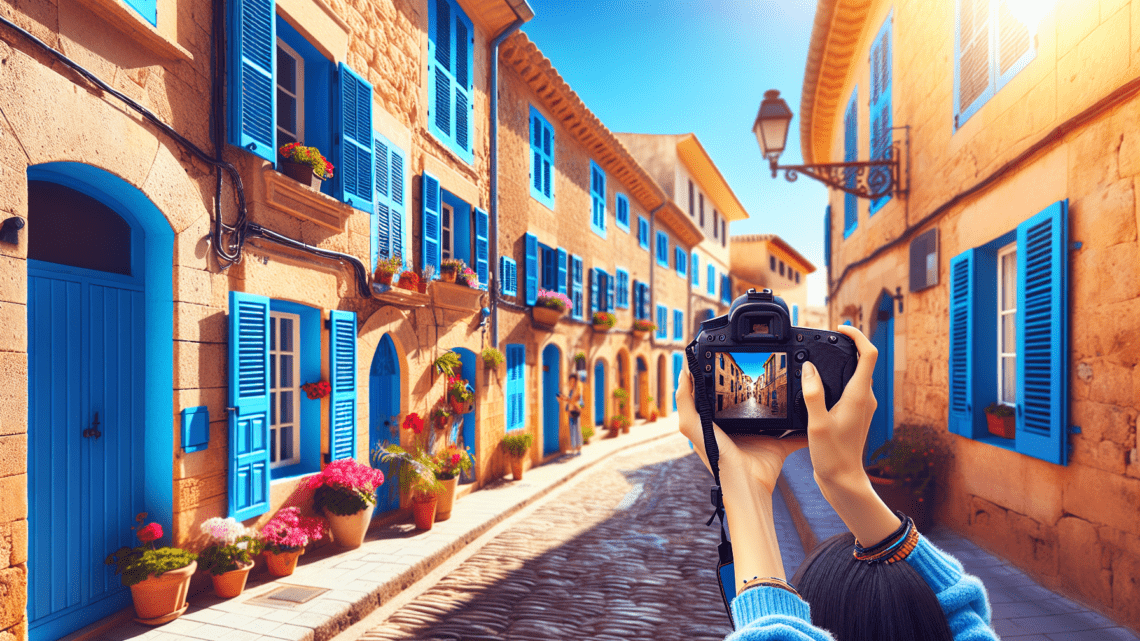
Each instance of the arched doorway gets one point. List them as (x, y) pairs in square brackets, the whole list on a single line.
[(100, 366), (883, 384), (662, 385), (622, 381), (463, 430), (551, 416), (641, 389), (384, 412), (600, 392)]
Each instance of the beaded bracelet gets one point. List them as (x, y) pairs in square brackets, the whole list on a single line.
[(767, 581), (897, 548), (890, 538)]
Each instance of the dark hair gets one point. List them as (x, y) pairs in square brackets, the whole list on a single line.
[(858, 601), (572, 376)]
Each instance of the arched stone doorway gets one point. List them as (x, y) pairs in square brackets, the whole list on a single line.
[(384, 398), (599, 392), (551, 386)]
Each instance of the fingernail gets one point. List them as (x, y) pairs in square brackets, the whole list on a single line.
[(809, 369)]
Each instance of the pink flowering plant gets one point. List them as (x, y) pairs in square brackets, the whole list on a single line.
[(288, 531), (468, 277), (452, 461), (231, 545), (345, 487), (140, 563), (553, 300)]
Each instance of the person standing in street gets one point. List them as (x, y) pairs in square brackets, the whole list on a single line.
[(573, 400)]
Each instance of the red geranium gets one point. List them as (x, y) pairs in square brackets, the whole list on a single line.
[(414, 422), (150, 533)]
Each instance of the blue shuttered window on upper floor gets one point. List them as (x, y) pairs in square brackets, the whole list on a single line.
[(696, 269), (622, 288), (549, 268), (530, 267), (681, 261), (662, 249), (432, 202), (450, 77), (711, 284), (678, 325), (251, 76), (342, 379), (640, 300), (508, 276), (725, 288), (881, 120), (621, 212), (562, 257), (597, 199), (147, 9), (594, 293), (389, 229), (662, 322), (541, 158), (249, 382), (576, 286), (643, 233), (985, 318), (991, 46), (352, 147), (516, 387), (850, 154), (482, 247)]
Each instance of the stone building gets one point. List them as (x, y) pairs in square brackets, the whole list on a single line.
[(766, 261), (1010, 254)]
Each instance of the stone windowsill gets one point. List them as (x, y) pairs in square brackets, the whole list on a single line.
[(399, 296), (460, 298), (127, 20), (304, 202)]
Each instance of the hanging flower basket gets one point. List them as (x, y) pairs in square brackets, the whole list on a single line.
[(603, 321)]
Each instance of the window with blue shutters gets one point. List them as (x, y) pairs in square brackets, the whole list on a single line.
[(508, 276), (530, 265), (449, 77), (681, 260), (662, 322), (294, 359), (696, 270), (516, 387), (594, 293), (610, 290), (711, 281), (549, 267), (251, 77), (148, 9), (597, 199), (482, 247), (622, 288), (389, 229), (352, 148), (562, 257), (725, 288), (621, 212), (881, 119), (342, 379), (249, 387), (576, 286), (541, 158), (850, 154), (432, 203), (662, 249), (643, 233), (991, 46), (678, 325), (1009, 336)]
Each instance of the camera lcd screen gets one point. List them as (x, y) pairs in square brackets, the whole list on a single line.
[(751, 385)]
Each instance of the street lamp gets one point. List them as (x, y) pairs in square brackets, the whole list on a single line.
[(866, 179)]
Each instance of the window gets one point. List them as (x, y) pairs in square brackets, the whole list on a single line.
[(449, 73), (662, 249), (148, 9), (576, 289), (640, 300), (621, 212), (678, 325), (797, 278), (290, 95), (601, 291), (781, 268), (622, 288), (508, 276), (723, 233), (284, 389), (1008, 320), (696, 270), (701, 207), (681, 261), (549, 269), (850, 154), (827, 237), (530, 265), (772, 262), (692, 211), (643, 233), (541, 159), (881, 119), (516, 387), (447, 238), (711, 281), (453, 229), (662, 322), (716, 224), (597, 199), (388, 231), (991, 47), (725, 288)]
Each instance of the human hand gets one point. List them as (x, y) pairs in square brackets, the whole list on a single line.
[(746, 460)]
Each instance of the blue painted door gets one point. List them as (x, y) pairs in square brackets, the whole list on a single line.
[(551, 414), (463, 430), (600, 393), (678, 365), (882, 423), (383, 412), (85, 440)]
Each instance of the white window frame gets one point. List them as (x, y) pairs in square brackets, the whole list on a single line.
[(276, 391), (299, 96), (1002, 353), (446, 224)]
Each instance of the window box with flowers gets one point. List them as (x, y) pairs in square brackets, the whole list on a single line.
[(306, 165), (642, 328), (450, 269), (346, 492), (1001, 420), (387, 268), (159, 578), (903, 470), (549, 307), (604, 321)]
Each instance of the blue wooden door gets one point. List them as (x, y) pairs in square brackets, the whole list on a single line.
[(383, 411), (85, 440), (883, 338), (551, 379), (600, 393), (678, 365), (463, 430)]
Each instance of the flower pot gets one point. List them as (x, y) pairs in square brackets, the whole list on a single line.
[(641, 334), (899, 496), (159, 599), (230, 584), (446, 498), (300, 172), (460, 407), (517, 468), (422, 287), (384, 278), (424, 512), (601, 328), (1003, 426), (408, 285), (348, 531), (447, 275), (546, 315), (282, 564)]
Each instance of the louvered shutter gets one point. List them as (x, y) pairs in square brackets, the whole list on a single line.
[(516, 388), (593, 291), (462, 68), (399, 210), (248, 384), (508, 276), (1014, 44), (678, 324), (531, 266), (440, 79), (382, 215), (342, 378), (548, 161), (711, 281), (252, 76), (549, 268), (482, 246), (850, 153), (1043, 335), (973, 77), (881, 120), (561, 270), (147, 9), (795, 315), (576, 276), (696, 270), (827, 237), (609, 291), (353, 148), (431, 224), (961, 413), (662, 322)]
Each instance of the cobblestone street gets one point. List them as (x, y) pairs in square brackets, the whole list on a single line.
[(623, 553)]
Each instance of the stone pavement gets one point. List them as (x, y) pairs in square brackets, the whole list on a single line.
[(1023, 610), (356, 582)]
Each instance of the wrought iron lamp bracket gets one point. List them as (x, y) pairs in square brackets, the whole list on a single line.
[(869, 179)]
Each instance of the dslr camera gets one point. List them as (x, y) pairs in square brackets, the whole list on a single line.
[(747, 365)]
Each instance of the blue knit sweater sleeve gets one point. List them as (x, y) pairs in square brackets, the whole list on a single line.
[(773, 614)]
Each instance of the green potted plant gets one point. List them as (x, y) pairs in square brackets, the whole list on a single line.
[(159, 577), (549, 307), (416, 471), (492, 358), (346, 492), (516, 445), (447, 363), (449, 269), (903, 470), (229, 556), (1001, 420), (619, 423), (621, 399), (587, 433), (641, 328), (441, 415), (468, 278), (409, 280), (284, 537), (460, 396), (305, 164), (604, 321), (580, 360), (450, 462), (387, 268)]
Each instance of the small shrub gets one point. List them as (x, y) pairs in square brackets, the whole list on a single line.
[(492, 357), (517, 445)]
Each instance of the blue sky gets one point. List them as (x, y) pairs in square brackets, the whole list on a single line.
[(700, 66), (751, 364)]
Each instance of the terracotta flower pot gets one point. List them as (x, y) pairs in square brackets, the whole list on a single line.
[(447, 275), (300, 172), (517, 468), (348, 531), (424, 512), (1003, 426), (898, 496), (546, 315), (282, 564), (640, 334), (230, 584), (422, 287), (160, 599), (384, 278), (446, 498), (601, 327)]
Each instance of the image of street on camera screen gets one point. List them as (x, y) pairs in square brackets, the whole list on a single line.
[(751, 385)]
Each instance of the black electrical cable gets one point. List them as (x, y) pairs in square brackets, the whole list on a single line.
[(253, 230)]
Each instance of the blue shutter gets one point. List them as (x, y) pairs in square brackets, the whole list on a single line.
[(481, 246), (609, 291), (381, 242), (353, 148), (1043, 335), (399, 211), (508, 276), (541, 159), (662, 322), (711, 281), (881, 120), (549, 269), (252, 76), (696, 270), (249, 399), (531, 266), (561, 271), (576, 277), (961, 413), (516, 387), (440, 79), (643, 232), (342, 378), (678, 325), (827, 237), (147, 9), (795, 315), (850, 153), (431, 224), (725, 288), (464, 104), (621, 211), (593, 291)]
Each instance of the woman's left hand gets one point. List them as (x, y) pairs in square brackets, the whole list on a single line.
[(749, 459)]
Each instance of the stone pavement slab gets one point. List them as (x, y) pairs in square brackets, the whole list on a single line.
[(357, 581), (1023, 610)]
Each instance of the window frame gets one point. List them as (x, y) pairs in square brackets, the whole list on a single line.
[(310, 357), (997, 80), (662, 249), (276, 391), (298, 97), (544, 123), (597, 199), (643, 232), (1007, 250), (621, 204)]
